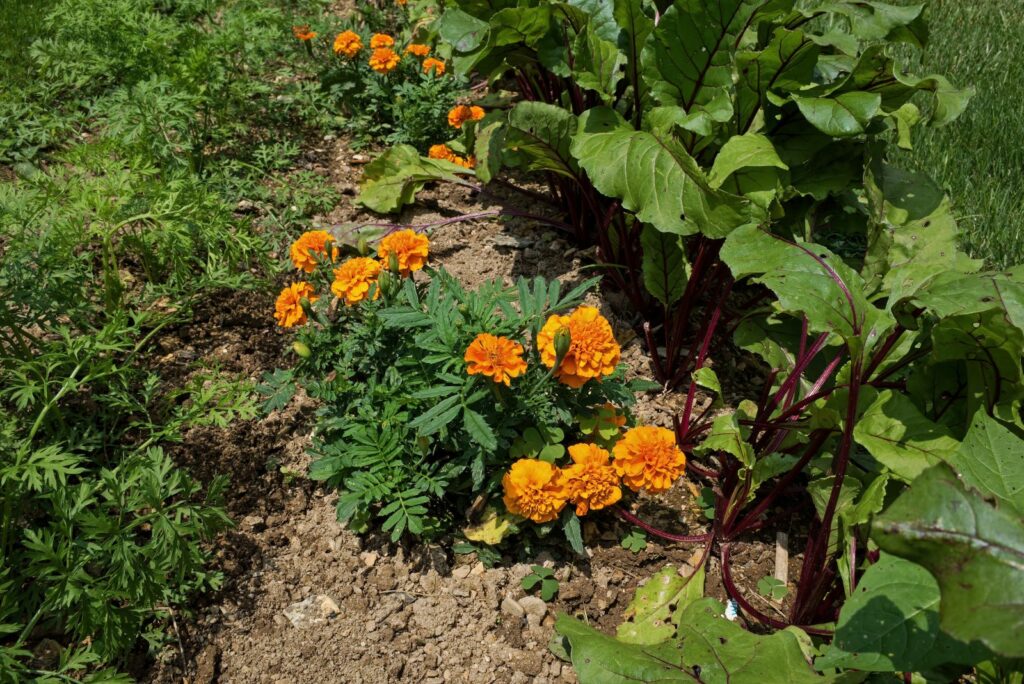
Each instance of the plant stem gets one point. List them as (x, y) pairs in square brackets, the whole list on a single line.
[(650, 529), (734, 594)]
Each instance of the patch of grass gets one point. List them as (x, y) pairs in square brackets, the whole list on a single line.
[(19, 25), (980, 157)]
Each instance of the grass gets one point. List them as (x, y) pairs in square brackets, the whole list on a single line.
[(19, 25), (979, 158)]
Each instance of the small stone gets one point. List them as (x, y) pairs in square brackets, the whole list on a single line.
[(312, 610), (478, 569), (506, 241), (461, 572), (254, 523), (510, 606), (369, 558), (360, 159), (533, 605)]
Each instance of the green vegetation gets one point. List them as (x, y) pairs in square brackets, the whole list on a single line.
[(979, 159), (129, 132)]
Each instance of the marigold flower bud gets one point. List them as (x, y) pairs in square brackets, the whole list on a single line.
[(302, 349)]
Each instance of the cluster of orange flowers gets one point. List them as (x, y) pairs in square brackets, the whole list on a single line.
[(405, 250), (446, 153), (384, 59), (460, 114), (645, 458), (576, 348)]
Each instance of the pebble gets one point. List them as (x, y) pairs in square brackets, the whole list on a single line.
[(461, 572), (369, 558), (312, 610), (533, 605), (510, 606)]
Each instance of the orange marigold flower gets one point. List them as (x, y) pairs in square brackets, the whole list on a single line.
[(433, 64), (499, 358), (591, 481), (353, 279), (384, 60), (534, 490), (381, 40), (288, 309), (303, 33), (592, 351), (348, 43), (309, 244), (401, 2), (417, 49), (444, 152), (440, 152), (647, 458), (409, 247), (460, 114)]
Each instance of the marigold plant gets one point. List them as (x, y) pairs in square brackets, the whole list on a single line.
[(534, 489), (409, 248), (417, 49), (591, 482), (288, 309), (499, 358), (353, 279), (647, 458), (591, 353), (381, 40), (384, 60), (432, 64), (303, 33), (304, 251), (463, 113), (348, 43)]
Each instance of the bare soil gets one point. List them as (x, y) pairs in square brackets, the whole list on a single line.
[(395, 613)]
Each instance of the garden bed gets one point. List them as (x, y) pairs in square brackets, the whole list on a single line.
[(404, 612)]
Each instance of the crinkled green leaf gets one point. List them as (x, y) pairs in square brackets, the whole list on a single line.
[(597, 64), (810, 280), (542, 134), (975, 551), (891, 621), (752, 150), (654, 177), (635, 26), (727, 435), (899, 437), (665, 269), (785, 65), (991, 460), (722, 651), (392, 180), (688, 56), (649, 619), (462, 31), (843, 116)]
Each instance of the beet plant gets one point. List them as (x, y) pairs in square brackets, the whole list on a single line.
[(661, 129), (729, 159)]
